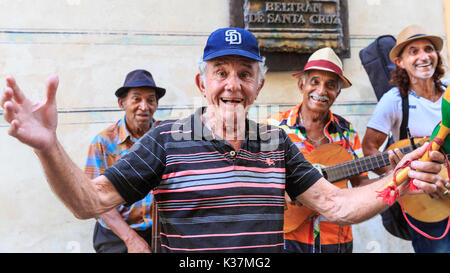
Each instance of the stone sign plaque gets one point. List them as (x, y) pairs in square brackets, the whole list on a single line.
[(288, 31)]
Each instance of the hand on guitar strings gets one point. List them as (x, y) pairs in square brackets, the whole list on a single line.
[(394, 157), (425, 174)]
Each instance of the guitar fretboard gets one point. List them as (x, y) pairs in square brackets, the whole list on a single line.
[(351, 168)]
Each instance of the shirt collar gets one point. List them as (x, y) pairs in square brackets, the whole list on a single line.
[(293, 118), (124, 134), (202, 131)]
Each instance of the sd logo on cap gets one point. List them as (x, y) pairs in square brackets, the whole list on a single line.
[(231, 41)]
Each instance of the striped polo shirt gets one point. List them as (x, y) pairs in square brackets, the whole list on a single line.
[(212, 198)]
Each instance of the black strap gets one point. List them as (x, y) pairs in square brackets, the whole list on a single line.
[(339, 129), (404, 132), (405, 111)]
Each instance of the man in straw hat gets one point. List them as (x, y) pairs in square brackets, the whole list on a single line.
[(125, 228), (217, 190), (417, 81), (310, 125)]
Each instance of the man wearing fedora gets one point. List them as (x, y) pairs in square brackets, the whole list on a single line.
[(217, 190), (125, 228), (310, 125), (417, 77)]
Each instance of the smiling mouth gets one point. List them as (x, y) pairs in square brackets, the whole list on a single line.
[(143, 115), (424, 65), (231, 101), (316, 97)]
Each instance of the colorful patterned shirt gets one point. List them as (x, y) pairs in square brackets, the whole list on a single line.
[(105, 149), (212, 198), (318, 235)]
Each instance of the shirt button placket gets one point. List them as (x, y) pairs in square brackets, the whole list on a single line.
[(233, 157)]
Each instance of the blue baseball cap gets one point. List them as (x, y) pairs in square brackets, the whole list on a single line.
[(231, 41)]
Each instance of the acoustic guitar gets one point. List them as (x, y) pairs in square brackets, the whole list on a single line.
[(421, 206), (336, 165)]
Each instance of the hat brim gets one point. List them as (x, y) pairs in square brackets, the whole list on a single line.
[(435, 40), (346, 83), (232, 51), (160, 92)]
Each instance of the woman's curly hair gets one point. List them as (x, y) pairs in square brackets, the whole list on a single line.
[(400, 78)]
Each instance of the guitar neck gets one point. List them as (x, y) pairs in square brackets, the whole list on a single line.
[(351, 168)]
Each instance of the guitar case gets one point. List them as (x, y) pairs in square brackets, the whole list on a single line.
[(395, 223)]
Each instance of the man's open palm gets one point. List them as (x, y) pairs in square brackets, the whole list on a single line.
[(32, 123)]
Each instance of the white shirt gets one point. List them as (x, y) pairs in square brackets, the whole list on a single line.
[(424, 115)]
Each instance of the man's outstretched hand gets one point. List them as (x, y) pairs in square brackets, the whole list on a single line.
[(32, 123), (425, 174)]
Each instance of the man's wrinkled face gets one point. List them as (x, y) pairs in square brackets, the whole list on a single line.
[(230, 86), (139, 105), (320, 90), (419, 59)]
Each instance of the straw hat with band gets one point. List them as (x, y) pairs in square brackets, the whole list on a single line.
[(412, 33), (326, 60)]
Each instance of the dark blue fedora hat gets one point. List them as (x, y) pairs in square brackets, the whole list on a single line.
[(140, 78)]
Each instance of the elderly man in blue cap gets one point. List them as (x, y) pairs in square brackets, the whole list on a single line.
[(125, 228), (218, 178)]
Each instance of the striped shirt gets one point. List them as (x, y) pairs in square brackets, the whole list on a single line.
[(105, 149), (333, 238), (212, 198)]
